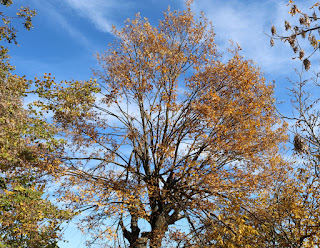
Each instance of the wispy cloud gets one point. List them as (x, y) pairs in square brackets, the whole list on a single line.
[(62, 22), (247, 22), (99, 12)]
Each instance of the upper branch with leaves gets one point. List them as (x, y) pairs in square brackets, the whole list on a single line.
[(306, 28)]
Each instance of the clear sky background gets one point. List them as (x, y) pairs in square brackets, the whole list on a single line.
[(67, 34)]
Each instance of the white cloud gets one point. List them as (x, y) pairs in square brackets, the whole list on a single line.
[(96, 11), (71, 30), (247, 24)]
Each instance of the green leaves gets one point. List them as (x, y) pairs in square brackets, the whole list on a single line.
[(27, 143), (27, 219)]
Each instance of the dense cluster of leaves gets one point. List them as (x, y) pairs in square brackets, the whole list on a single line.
[(26, 218)]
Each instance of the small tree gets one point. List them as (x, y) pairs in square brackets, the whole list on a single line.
[(27, 219), (171, 132)]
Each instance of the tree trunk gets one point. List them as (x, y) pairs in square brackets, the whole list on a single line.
[(159, 228), (140, 243)]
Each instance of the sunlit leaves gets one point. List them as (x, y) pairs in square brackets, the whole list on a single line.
[(26, 218), (27, 144), (8, 30), (169, 132)]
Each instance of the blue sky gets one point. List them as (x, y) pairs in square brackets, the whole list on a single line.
[(67, 34)]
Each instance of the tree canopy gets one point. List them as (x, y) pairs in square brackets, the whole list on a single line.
[(170, 131)]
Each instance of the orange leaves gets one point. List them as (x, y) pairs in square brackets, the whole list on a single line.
[(243, 97), (177, 133)]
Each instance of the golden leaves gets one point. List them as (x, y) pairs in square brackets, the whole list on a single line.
[(190, 131)]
